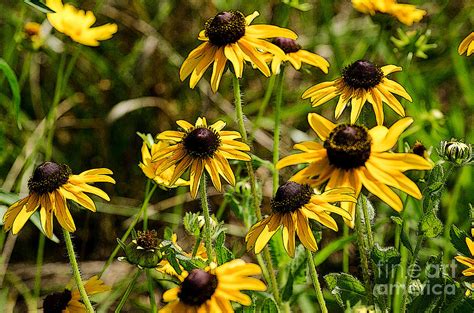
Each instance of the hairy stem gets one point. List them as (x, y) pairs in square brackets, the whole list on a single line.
[(207, 218), (314, 278)]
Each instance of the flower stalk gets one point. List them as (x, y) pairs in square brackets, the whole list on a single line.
[(314, 278), (207, 218), (76, 273), (276, 128)]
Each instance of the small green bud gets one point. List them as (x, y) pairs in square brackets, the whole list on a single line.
[(144, 250), (457, 152)]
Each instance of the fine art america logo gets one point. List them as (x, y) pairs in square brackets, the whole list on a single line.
[(437, 279)]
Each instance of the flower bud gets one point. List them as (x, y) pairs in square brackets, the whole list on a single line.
[(457, 152), (143, 251)]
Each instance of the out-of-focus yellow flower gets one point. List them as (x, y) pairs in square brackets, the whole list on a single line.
[(149, 168), (405, 13), (77, 24), (467, 45)]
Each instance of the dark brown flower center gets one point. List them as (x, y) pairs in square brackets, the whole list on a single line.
[(362, 74), (286, 44), (197, 287), (147, 239), (48, 177), (348, 146), (419, 149), (56, 302), (290, 197), (201, 142), (225, 28)]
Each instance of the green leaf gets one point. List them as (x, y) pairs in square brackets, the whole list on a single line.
[(458, 240), (268, 306), (331, 248), (431, 226), (14, 86), (39, 6), (288, 289), (168, 233), (385, 260), (223, 254), (346, 288)]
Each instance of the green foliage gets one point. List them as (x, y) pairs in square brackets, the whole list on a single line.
[(223, 254), (458, 240), (346, 288), (40, 6), (297, 272), (14, 86)]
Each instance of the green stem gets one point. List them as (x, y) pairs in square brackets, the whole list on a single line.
[(419, 242), (363, 254), (128, 291), (276, 128), (151, 290), (145, 211), (240, 120), (207, 218), (368, 224), (39, 264), (76, 272), (263, 106), (253, 185), (345, 251), (129, 230), (314, 278)]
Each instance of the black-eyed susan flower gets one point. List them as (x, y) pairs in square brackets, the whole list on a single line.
[(77, 24), (467, 45), (405, 13), (229, 36), (292, 208), (469, 262), (213, 289), (50, 186), (200, 147), (360, 82), (354, 156), (149, 168), (69, 301), (165, 267), (295, 55)]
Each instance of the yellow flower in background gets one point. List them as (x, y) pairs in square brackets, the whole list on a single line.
[(213, 289), (229, 36), (77, 24), (405, 13), (467, 45), (165, 267), (292, 207), (201, 147), (295, 55), (69, 301), (354, 156), (361, 81), (149, 168), (50, 186), (469, 262)]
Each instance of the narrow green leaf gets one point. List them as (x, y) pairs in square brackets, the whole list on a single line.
[(223, 254), (40, 6), (334, 246), (288, 289), (458, 240), (14, 86), (269, 306)]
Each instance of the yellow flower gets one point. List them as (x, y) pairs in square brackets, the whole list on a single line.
[(69, 301), (50, 186), (466, 260), (201, 147), (77, 24), (295, 55), (229, 36), (352, 156), (165, 267), (360, 82), (405, 13), (213, 289), (149, 168), (467, 45), (292, 207)]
